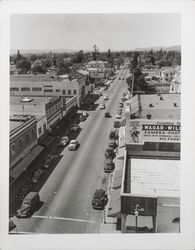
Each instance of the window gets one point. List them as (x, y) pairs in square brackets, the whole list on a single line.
[(13, 149), (27, 138), (69, 92), (20, 143), (63, 92), (33, 133), (57, 90), (74, 92), (14, 89), (48, 90), (40, 130), (36, 89), (25, 89)]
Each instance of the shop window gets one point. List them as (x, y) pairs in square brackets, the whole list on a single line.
[(25, 89), (13, 149), (20, 143)]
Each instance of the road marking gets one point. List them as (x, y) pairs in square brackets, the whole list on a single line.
[(62, 218)]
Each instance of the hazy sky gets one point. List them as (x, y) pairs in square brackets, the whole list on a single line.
[(82, 31)]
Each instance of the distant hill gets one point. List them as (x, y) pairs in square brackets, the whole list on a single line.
[(175, 47)]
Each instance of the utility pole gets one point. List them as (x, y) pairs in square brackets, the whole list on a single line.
[(132, 84)]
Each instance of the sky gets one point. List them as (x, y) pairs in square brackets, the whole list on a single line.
[(83, 31)]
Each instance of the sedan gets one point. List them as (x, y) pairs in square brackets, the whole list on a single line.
[(63, 141), (73, 145), (85, 114), (118, 116), (74, 128), (24, 191), (37, 176), (102, 106), (48, 162), (106, 98)]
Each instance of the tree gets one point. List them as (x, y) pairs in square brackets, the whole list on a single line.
[(23, 66), (39, 69), (18, 56), (109, 54), (33, 57)]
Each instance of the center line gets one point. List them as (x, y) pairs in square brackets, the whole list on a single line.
[(62, 218)]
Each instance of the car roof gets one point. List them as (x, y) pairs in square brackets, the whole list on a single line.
[(31, 195), (98, 193), (64, 137), (72, 141), (108, 160)]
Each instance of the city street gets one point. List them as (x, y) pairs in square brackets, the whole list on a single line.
[(67, 194)]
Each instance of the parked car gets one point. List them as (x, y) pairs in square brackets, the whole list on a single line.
[(106, 98), (11, 225), (85, 113), (48, 161), (28, 205), (24, 191), (100, 199), (107, 114), (114, 134), (120, 105), (110, 153), (116, 124), (73, 145), (119, 78), (37, 176), (63, 141), (109, 165), (112, 143), (74, 128), (82, 118), (118, 116), (102, 106), (120, 111)]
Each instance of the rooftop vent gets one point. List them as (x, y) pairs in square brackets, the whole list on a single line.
[(161, 98), (149, 116), (26, 99), (175, 104), (159, 94), (151, 105)]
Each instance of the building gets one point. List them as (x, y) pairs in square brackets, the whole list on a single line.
[(175, 86), (149, 186), (167, 74), (23, 144)]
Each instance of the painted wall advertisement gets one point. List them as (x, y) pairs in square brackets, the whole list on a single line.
[(140, 131)]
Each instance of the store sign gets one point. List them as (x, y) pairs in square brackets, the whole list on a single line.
[(140, 131)]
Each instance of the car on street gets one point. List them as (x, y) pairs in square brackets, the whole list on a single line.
[(24, 191), (118, 116), (74, 128), (11, 225), (120, 105), (114, 134), (102, 106), (63, 141), (116, 124), (112, 143), (36, 176), (106, 98), (82, 118), (85, 113), (100, 199), (109, 165), (48, 161), (73, 145), (29, 204), (110, 153), (119, 78), (107, 115)]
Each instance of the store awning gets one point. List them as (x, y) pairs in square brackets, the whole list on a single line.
[(117, 179), (115, 204), (22, 165), (36, 150), (47, 140)]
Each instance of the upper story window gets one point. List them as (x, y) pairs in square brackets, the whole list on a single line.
[(48, 90), (63, 91), (69, 92), (25, 89), (74, 92), (14, 89), (27, 138), (33, 133), (57, 90), (37, 89)]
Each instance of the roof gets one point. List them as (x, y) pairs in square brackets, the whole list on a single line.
[(33, 100), (98, 193), (155, 177), (34, 78), (15, 124)]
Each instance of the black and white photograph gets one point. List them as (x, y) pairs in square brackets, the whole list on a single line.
[(95, 127), (95, 123)]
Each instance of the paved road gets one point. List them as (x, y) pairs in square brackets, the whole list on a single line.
[(68, 192)]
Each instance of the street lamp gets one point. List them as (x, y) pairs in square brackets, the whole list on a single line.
[(136, 217)]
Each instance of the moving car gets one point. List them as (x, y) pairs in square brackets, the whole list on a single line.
[(82, 118), (100, 199), (102, 106), (112, 143), (107, 114), (37, 175), (109, 165), (74, 128), (28, 205), (118, 116), (24, 191), (110, 153), (73, 145), (120, 105), (106, 98), (85, 113), (63, 141), (48, 162), (11, 225), (114, 134), (116, 124)]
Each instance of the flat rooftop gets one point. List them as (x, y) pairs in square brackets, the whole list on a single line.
[(155, 177), (14, 124), (30, 100)]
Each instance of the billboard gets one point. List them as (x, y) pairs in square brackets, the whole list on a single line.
[(140, 131)]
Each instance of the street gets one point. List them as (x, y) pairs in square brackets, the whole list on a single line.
[(67, 194)]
